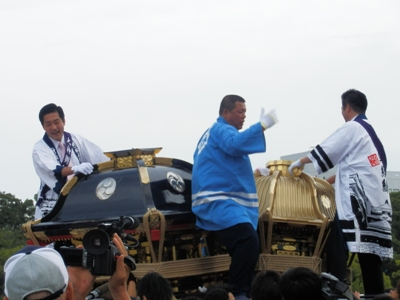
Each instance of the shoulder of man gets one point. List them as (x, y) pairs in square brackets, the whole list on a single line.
[(350, 125), (222, 127), (40, 147), (78, 139), (38, 143)]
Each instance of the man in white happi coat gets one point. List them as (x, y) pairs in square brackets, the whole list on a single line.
[(58, 155), (364, 214)]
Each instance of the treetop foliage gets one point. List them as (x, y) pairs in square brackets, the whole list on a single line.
[(14, 212)]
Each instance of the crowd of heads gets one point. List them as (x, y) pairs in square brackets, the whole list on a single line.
[(295, 284), (40, 273)]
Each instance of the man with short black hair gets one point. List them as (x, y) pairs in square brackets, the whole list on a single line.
[(224, 195), (58, 155), (363, 218), (300, 284), (153, 286), (265, 286)]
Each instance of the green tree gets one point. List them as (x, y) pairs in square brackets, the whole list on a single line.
[(395, 199), (14, 212), (392, 267), (356, 277)]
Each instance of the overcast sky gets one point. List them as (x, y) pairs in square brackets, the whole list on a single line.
[(133, 74)]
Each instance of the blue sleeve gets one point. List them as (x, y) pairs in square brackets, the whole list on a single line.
[(235, 143)]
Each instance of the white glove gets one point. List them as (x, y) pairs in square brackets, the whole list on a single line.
[(263, 171), (268, 120), (84, 168), (296, 164)]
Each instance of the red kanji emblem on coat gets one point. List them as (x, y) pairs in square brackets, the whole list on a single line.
[(373, 160)]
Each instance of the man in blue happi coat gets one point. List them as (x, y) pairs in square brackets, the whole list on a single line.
[(224, 196)]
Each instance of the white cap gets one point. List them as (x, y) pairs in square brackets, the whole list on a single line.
[(34, 269)]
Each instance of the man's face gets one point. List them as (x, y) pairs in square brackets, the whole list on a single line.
[(236, 116), (54, 126), (346, 113)]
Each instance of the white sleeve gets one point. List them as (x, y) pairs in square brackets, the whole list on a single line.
[(335, 148), (89, 151), (44, 162)]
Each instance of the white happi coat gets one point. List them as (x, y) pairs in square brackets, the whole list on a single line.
[(361, 190), (47, 166)]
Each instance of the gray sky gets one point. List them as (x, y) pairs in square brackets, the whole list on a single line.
[(133, 74)]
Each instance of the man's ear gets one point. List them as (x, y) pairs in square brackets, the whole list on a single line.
[(5, 298), (225, 113), (69, 292)]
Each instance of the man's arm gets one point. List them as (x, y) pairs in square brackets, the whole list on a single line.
[(268, 120), (84, 168), (118, 281), (299, 164), (305, 160), (332, 179), (45, 162), (90, 152), (66, 171)]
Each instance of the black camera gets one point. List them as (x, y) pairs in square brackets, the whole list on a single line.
[(332, 288), (99, 254)]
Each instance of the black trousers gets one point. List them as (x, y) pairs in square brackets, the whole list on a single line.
[(243, 245), (337, 256)]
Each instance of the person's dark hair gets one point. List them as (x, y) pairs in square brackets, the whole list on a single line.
[(51, 108), (224, 286), (265, 285), (217, 293), (300, 284), (356, 100), (191, 298), (154, 287), (229, 103)]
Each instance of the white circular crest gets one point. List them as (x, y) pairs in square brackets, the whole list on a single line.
[(176, 182), (106, 188), (326, 202)]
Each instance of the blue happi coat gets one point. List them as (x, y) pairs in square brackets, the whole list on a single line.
[(223, 188)]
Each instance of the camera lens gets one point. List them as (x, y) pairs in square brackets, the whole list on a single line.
[(96, 241)]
